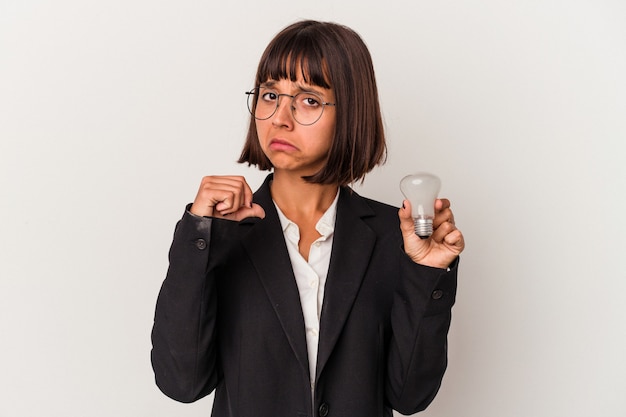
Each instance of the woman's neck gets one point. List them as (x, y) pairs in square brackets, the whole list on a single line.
[(299, 199)]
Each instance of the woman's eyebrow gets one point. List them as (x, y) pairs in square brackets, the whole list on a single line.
[(300, 87), (308, 89)]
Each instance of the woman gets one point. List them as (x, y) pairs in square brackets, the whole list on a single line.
[(305, 298)]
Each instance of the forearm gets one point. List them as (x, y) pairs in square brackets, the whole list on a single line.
[(183, 345), (417, 353)]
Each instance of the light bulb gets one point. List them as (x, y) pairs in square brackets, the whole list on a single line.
[(421, 189)]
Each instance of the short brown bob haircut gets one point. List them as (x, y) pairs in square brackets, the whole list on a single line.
[(328, 55)]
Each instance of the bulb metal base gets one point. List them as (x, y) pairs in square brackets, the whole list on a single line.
[(423, 227)]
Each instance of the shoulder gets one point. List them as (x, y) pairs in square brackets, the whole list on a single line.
[(370, 210), (378, 207)]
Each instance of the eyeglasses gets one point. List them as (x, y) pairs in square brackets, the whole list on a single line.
[(306, 108)]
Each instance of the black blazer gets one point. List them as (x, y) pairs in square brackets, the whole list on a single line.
[(228, 317)]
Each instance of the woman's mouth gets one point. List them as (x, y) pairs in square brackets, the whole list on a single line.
[(281, 145)]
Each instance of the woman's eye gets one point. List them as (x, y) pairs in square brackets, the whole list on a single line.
[(269, 96), (311, 101)]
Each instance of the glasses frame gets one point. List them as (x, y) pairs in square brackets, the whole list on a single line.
[(254, 92)]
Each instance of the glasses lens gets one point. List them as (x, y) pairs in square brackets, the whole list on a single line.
[(307, 108), (262, 102)]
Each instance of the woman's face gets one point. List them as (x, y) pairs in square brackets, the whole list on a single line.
[(289, 145)]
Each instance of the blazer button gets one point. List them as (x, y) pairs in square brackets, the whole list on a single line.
[(323, 410), (437, 294), (201, 244)]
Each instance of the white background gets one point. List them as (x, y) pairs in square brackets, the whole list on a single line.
[(112, 111)]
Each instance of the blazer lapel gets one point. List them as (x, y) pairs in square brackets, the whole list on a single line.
[(353, 243), (265, 244)]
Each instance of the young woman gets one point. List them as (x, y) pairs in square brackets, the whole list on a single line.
[(304, 298)]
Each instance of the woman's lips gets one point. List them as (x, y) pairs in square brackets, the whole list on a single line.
[(281, 145)]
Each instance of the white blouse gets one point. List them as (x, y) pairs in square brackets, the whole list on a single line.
[(311, 275)]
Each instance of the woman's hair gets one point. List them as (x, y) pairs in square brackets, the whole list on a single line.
[(328, 55)]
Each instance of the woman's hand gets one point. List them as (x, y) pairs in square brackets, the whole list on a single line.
[(440, 249), (228, 197)]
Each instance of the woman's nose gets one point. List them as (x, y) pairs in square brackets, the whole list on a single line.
[(283, 114)]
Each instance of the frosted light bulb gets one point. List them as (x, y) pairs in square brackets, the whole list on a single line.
[(421, 189)]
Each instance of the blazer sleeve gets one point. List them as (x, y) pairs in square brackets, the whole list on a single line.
[(420, 320), (183, 335)]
